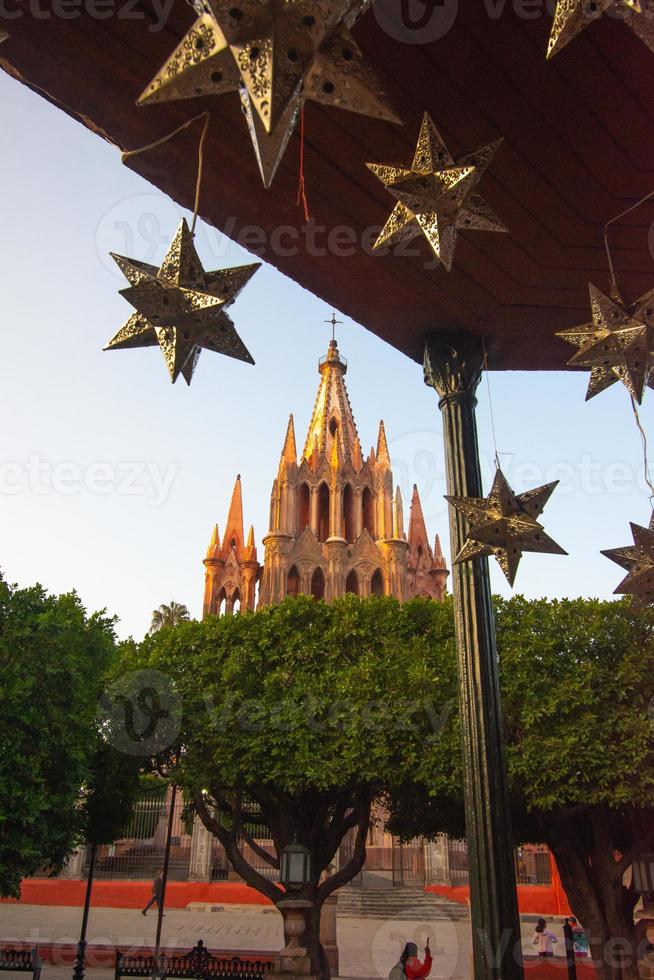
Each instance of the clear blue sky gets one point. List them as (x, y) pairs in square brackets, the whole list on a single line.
[(78, 424)]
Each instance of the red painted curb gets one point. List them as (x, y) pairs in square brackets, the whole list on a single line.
[(532, 899), (135, 894)]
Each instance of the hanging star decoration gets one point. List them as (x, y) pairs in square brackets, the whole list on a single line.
[(277, 56), (504, 525), (618, 344), (436, 196), (572, 16), (638, 561), (181, 308)]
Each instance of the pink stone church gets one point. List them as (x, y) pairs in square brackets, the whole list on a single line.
[(336, 525)]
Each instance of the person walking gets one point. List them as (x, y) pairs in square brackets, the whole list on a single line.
[(409, 965), (544, 939), (157, 890)]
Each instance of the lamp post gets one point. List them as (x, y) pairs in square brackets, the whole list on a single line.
[(295, 874), (453, 366), (80, 958)]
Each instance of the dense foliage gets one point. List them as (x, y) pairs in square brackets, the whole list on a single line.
[(577, 681), (108, 794), (52, 658), (297, 716)]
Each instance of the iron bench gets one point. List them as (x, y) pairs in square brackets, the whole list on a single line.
[(197, 964), (21, 961)]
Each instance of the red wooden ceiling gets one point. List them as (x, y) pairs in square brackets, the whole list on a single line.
[(579, 148)]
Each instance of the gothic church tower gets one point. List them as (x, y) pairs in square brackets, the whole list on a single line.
[(336, 525), (232, 568)]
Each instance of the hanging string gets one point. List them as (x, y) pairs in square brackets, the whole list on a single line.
[(643, 437), (615, 292), (301, 191), (164, 139), (490, 403)]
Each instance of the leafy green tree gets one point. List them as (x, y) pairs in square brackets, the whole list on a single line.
[(171, 614), (53, 658), (108, 794), (294, 719), (577, 682)]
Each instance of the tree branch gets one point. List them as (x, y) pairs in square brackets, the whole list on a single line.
[(238, 862), (357, 861), (260, 851)]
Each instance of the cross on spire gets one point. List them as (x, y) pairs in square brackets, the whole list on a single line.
[(333, 323)]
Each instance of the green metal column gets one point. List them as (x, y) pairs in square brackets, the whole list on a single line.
[(453, 366)]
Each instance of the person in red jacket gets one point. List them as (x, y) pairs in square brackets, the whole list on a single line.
[(413, 968)]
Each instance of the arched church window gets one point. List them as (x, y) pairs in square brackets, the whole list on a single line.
[(293, 582), (304, 510), (419, 553), (323, 512), (352, 583), (349, 526), (232, 544), (368, 511), (236, 603), (221, 603), (318, 584), (333, 427), (377, 583)]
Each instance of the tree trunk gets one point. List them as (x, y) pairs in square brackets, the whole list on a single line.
[(592, 880), (319, 962)]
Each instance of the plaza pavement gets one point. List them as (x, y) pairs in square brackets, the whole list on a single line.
[(368, 947)]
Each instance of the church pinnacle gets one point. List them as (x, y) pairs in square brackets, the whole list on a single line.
[(332, 414), (289, 452)]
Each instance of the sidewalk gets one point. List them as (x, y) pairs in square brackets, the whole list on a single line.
[(368, 947)]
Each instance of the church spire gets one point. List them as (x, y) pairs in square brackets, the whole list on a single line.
[(439, 557), (213, 551), (234, 527), (289, 452), (250, 548), (383, 455), (332, 414), (398, 516), (417, 527)]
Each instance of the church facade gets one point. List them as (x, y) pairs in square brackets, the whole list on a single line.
[(336, 522)]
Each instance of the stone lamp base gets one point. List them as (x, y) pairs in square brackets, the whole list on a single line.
[(294, 960)]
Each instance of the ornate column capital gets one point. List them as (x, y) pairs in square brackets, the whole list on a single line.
[(453, 364)]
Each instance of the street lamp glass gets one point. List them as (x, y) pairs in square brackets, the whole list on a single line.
[(296, 866)]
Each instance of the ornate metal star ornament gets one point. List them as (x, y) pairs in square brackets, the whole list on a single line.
[(504, 524), (638, 560), (618, 344), (436, 195), (571, 16), (181, 307), (277, 54)]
